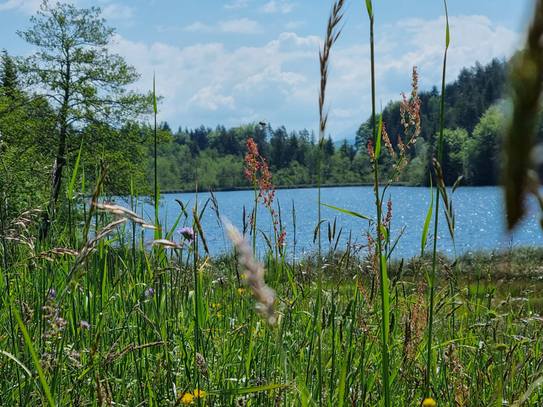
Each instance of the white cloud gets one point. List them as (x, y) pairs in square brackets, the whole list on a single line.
[(236, 4), (294, 24), (241, 26), (26, 6), (118, 12), (208, 84), (344, 113), (211, 83), (274, 7), (208, 98), (198, 26)]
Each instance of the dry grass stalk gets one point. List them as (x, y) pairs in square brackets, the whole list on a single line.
[(324, 58), (264, 295)]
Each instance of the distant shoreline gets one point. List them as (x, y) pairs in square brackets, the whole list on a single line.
[(303, 186)]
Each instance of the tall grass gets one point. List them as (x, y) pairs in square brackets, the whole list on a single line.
[(111, 319)]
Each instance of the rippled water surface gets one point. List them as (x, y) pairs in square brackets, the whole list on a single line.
[(479, 217)]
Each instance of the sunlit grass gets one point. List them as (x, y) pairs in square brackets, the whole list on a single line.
[(95, 316)]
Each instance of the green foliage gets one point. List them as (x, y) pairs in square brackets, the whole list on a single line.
[(455, 143), (85, 89), (25, 141), (485, 148)]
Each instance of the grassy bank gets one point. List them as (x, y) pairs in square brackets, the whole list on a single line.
[(93, 315), (151, 326)]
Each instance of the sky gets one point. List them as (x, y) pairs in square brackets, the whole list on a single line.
[(235, 62)]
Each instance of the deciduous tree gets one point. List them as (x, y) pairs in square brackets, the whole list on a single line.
[(82, 81)]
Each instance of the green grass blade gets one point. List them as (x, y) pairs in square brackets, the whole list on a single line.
[(155, 109), (378, 137), (28, 341), (9, 355), (386, 299), (370, 11), (358, 215), (246, 390), (74, 175), (447, 36), (428, 219)]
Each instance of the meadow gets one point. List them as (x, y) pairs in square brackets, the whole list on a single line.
[(95, 314)]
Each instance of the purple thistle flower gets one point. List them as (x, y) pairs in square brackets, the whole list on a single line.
[(85, 324), (149, 292), (52, 294), (187, 233)]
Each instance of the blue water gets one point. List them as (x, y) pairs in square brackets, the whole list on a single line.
[(479, 211)]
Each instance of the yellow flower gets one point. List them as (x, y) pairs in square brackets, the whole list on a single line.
[(198, 393), (244, 276), (187, 398), (428, 402), (241, 290)]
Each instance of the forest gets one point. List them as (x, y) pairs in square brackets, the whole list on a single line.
[(474, 123)]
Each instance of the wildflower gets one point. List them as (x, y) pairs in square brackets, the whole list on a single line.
[(149, 292), (187, 398), (85, 324), (371, 151), (52, 294), (187, 233), (244, 276), (251, 160), (386, 139), (428, 402), (198, 393)]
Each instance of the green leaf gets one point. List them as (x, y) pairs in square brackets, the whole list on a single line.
[(386, 299), (315, 232), (74, 175), (428, 219), (447, 36), (384, 232), (246, 390), (368, 6), (358, 215), (457, 183), (154, 96), (378, 138), (9, 355), (37, 365)]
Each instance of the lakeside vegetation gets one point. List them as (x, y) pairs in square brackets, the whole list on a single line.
[(474, 124), (93, 314)]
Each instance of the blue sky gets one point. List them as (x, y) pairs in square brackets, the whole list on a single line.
[(239, 61)]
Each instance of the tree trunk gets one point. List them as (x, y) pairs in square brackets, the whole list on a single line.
[(60, 160)]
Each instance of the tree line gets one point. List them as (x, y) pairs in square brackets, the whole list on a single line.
[(474, 123)]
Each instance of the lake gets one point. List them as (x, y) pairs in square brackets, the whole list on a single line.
[(479, 218)]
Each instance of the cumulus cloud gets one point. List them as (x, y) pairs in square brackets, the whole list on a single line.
[(236, 4), (209, 98), (26, 6), (274, 7), (407, 43), (118, 12), (211, 83), (241, 26), (291, 25)]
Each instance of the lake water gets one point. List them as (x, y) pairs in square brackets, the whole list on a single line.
[(479, 218)]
